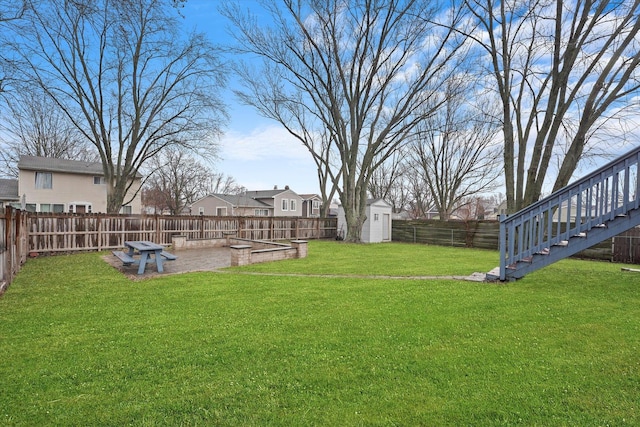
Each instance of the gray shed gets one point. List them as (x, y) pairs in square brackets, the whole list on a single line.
[(377, 227)]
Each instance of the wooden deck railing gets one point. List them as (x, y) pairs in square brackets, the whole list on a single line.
[(598, 206)]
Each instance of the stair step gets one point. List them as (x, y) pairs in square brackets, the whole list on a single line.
[(493, 274), (600, 226), (562, 243), (583, 234), (544, 251), (528, 259)]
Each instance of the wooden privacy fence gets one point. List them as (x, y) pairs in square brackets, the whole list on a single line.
[(626, 247), (484, 235), (13, 245), (50, 233)]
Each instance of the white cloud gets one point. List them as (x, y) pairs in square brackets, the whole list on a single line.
[(264, 156), (262, 143)]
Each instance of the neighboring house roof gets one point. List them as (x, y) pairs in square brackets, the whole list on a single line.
[(265, 194), (310, 197), (50, 164), (9, 189), (251, 199), (241, 201)]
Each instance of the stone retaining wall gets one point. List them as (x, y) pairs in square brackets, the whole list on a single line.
[(246, 254), (244, 251)]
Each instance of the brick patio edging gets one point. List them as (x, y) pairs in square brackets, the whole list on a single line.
[(245, 254), (245, 251)]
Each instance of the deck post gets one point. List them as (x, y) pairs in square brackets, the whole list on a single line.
[(503, 248)]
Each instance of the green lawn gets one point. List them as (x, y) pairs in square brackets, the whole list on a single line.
[(83, 345), (390, 259)]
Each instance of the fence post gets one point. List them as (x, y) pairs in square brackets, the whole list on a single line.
[(99, 236)]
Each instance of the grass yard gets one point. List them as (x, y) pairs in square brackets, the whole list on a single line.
[(83, 345), (388, 259)]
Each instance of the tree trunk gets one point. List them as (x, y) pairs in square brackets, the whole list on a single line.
[(355, 221), (355, 213), (115, 197)]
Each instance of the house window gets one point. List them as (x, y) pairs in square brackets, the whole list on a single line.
[(376, 217), (285, 204), (125, 209), (58, 208), (45, 207), (30, 207), (201, 210), (44, 181), (221, 211), (316, 205), (98, 180), (293, 205), (261, 212)]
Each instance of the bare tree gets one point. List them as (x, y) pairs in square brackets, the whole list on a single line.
[(354, 71), (219, 183), (174, 182), (454, 151), (473, 208), (177, 179), (130, 82), (388, 181), (36, 127), (10, 10), (561, 69), (420, 200)]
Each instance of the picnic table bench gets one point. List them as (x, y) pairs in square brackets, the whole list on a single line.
[(168, 256), (124, 257)]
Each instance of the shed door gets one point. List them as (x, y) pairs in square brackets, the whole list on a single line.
[(386, 227)]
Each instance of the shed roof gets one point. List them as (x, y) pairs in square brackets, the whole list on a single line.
[(370, 202), (378, 201)]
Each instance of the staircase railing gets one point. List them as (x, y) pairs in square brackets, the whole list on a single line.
[(591, 202)]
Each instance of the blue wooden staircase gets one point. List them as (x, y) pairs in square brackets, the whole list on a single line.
[(599, 206)]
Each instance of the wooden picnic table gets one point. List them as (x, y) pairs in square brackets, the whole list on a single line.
[(149, 252)]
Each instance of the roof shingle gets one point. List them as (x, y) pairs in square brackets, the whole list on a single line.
[(9, 189)]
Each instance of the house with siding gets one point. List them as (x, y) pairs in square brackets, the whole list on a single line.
[(276, 202), (230, 205), (61, 185), (311, 204)]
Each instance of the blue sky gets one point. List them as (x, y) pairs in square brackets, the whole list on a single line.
[(257, 152)]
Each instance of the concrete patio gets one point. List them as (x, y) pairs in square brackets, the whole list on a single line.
[(189, 260)]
